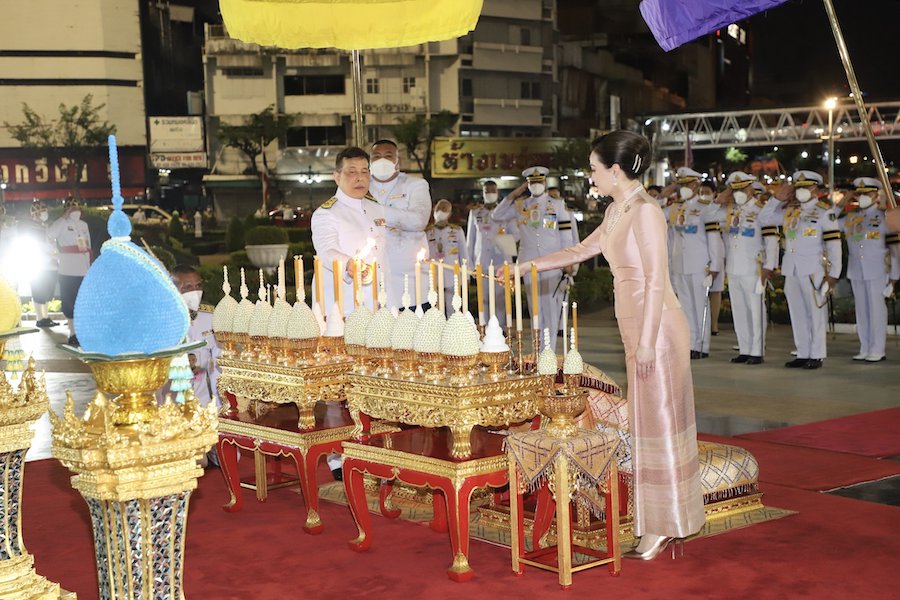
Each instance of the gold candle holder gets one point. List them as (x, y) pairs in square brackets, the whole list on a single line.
[(495, 362), (134, 383), (535, 348), (562, 407), (519, 352)]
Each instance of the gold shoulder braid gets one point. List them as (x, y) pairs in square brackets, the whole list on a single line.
[(329, 203)]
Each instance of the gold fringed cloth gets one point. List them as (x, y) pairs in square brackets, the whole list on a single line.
[(587, 457), (348, 24)]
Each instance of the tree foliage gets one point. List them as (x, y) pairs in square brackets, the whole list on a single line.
[(67, 141), (258, 131), (570, 157), (416, 133)]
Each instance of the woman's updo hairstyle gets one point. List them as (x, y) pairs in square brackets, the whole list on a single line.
[(629, 150)]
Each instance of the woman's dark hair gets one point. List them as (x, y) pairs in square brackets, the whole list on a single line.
[(710, 185), (351, 152), (624, 148)]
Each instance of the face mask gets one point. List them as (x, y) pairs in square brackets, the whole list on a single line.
[(686, 193), (43, 216), (803, 195), (865, 201), (536, 189), (75, 215), (491, 197), (383, 169), (740, 198), (192, 299), (441, 215), (662, 201), (707, 197)]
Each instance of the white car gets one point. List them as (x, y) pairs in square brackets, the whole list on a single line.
[(153, 215)]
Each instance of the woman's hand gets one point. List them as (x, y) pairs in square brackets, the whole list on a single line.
[(645, 361)]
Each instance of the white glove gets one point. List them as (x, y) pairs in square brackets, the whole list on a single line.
[(760, 288), (708, 281), (888, 289), (506, 244)]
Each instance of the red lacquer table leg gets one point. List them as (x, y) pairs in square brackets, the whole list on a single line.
[(439, 519), (458, 513), (306, 469), (384, 500), (228, 454), (354, 486)]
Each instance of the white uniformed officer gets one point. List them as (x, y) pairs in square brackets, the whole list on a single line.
[(746, 260), (545, 226), (811, 264), (448, 242), (342, 226), (482, 233), (73, 241), (871, 268), (43, 279), (697, 255), (407, 208), (204, 360)]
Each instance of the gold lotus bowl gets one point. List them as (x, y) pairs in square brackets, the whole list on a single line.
[(226, 340), (134, 383), (357, 351), (461, 367), (384, 359), (261, 346), (331, 344), (243, 347), (494, 361), (562, 407), (432, 364), (405, 361), (301, 350)]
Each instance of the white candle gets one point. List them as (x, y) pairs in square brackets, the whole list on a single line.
[(491, 293), (518, 276), (565, 328), (418, 282), (464, 286), (440, 287)]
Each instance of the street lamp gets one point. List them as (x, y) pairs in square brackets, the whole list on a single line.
[(830, 105)]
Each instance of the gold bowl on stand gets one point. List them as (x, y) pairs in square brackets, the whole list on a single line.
[(461, 367), (228, 342), (495, 362), (432, 365), (563, 407), (384, 358), (331, 345), (405, 362), (134, 383), (260, 344), (301, 351)]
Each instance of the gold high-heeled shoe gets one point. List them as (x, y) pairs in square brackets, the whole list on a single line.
[(652, 552)]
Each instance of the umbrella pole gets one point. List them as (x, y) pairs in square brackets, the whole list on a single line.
[(356, 76), (860, 105)]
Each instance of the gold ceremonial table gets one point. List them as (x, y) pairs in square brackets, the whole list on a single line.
[(459, 405)]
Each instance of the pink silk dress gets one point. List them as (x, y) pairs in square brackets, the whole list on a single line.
[(667, 491)]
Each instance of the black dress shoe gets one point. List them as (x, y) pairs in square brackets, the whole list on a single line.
[(46, 323), (797, 363), (338, 474), (713, 333), (754, 360), (741, 358), (73, 341), (704, 355), (695, 355), (813, 363)]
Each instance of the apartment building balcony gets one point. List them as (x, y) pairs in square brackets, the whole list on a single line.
[(507, 57), (532, 10), (507, 111)]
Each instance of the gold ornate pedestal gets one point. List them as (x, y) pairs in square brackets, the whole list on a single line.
[(18, 411), (136, 465), (462, 405), (301, 385)]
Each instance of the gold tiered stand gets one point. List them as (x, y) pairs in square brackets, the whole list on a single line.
[(136, 464), (19, 409)]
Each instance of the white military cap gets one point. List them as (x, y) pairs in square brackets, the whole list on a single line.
[(535, 173), (687, 175), (806, 178), (739, 180), (866, 184), (759, 187)]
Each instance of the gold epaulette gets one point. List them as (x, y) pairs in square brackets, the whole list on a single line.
[(760, 203), (329, 203), (370, 197), (831, 235), (823, 204), (207, 308)]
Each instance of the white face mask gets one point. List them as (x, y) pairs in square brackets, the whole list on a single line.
[(536, 189), (803, 195), (75, 215), (441, 215), (707, 197), (192, 299), (491, 197), (383, 169), (686, 193), (865, 201), (741, 198), (662, 201), (43, 216)]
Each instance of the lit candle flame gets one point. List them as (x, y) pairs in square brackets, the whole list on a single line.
[(364, 253), (421, 255)]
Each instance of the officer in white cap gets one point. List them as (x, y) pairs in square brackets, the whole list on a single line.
[(697, 255), (447, 242), (545, 226), (73, 240), (746, 262), (486, 237), (871, 267), (811, 264)]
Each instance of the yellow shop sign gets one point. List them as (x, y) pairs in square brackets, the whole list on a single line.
[(489, 157)]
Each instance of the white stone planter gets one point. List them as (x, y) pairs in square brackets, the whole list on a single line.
[(267, 256)]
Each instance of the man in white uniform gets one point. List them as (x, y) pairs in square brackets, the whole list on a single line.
[(73, 241), (343, 225), (746, 260), (697, 255), (448, 242), (545, 226), (482, 233), (203, 360), (873, 266), (407, 208), (811, 264)]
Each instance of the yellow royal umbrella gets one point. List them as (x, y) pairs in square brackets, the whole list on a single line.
[(348, 25)]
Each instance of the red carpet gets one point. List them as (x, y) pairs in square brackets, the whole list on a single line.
[(809, 468), (875, 434), (834, 547)]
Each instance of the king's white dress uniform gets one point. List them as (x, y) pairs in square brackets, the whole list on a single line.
[(206, 358), (812, 250), (407, 208), (341, 227), (481, 235), (870, 267), (447, 242), (697, 249), (545, 226)]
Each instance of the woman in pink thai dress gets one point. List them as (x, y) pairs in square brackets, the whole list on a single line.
[(667, 492)]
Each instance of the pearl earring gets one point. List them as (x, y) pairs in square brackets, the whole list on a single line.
[(615, 180)]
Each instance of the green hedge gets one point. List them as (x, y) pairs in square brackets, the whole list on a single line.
[(265, 234), (234, 237)]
